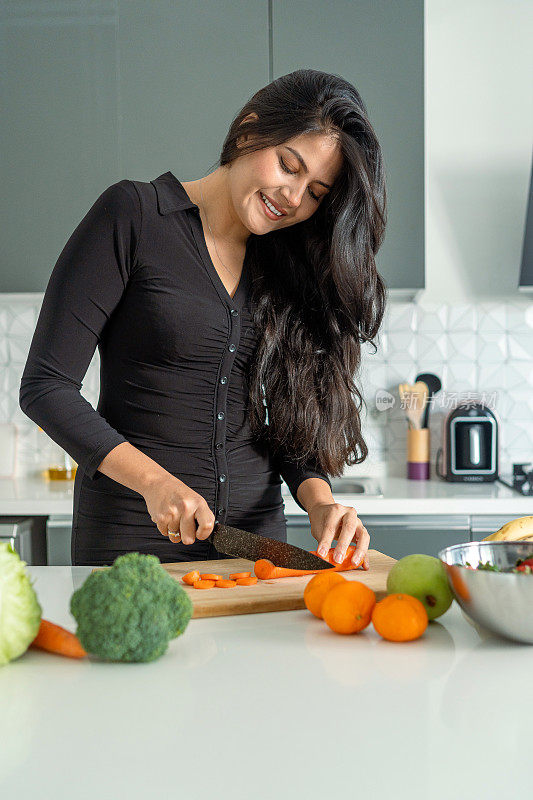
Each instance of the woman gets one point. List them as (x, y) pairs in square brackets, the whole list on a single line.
[(228, 313)]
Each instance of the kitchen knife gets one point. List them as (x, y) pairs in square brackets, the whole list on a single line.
[(242, 544)]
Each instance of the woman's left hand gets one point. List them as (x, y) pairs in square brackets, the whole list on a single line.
[(331, 521)]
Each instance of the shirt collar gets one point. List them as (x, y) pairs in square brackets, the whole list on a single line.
[(171, 196)]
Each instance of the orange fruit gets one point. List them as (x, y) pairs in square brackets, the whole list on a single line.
[(400, 618), (317, 588), (347, 607)]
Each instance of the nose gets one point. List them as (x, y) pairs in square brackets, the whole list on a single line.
[(292, 197)]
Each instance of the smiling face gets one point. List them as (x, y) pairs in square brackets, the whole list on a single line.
[(291, 175)]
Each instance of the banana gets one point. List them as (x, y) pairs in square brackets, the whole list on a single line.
[(520, 529)]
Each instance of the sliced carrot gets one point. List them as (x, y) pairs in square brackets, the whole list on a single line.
[(191, 577), (201, 584), (246, 581), (208, 576), (236, 575), (58, 640), (225, 584)]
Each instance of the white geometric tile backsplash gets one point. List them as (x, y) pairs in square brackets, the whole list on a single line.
[(484, 348)]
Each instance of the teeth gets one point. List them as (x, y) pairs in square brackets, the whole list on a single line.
[(270, 206)]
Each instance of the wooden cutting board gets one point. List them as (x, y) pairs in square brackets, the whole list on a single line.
[(281, 594)]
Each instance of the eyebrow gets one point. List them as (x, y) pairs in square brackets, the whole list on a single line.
[(304, 165)]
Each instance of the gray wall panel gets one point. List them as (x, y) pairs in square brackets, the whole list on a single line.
[(377, 45)]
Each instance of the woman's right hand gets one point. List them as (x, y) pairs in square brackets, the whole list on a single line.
[(174, 506)]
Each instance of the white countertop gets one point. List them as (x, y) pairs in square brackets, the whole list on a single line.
[(435, 496), (269, 706), (35, 496), (400, 496)]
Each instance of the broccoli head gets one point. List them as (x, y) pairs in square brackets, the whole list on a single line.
[(130, 611)]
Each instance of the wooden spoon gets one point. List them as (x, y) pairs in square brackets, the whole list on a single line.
[(403, 390), (414, 398)]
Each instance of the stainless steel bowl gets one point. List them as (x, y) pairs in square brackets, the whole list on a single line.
[(500, 602)]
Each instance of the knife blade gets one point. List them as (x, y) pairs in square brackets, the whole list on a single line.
[(242, 544)]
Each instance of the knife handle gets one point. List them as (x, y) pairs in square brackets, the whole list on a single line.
[(210, 538), (215, 526)]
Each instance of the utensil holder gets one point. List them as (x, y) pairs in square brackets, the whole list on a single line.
[(418, 454)]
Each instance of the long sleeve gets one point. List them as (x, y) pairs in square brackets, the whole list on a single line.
[(84, 288), (293, 474)]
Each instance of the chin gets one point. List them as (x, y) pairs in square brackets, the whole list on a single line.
[(252, 225), (256, 225)]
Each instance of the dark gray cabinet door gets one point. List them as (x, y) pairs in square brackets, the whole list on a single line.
[(299, 532), (96, 92), (378, 46), (483, 525), (397, 536)]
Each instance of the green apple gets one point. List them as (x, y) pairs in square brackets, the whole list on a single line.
[(423, 577)]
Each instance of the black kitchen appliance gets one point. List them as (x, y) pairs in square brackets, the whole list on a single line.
[(470, 448), (522, 479)]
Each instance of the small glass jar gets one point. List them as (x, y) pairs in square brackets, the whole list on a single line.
[(61, 467)]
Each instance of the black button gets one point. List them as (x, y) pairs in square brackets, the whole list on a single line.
[(232, 348), (218, 445), (223, 379), (221, 510), (220, 415), (234, 312), (222, 478)]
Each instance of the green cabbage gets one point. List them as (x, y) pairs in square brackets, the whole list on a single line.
[(20, 612)]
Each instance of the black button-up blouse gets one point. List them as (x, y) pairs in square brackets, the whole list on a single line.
[(136, 280)]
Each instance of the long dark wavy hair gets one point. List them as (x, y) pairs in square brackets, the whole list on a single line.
[(316, 292)]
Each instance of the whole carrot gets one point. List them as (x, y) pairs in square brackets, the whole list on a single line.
[(55, 639), (345, 564), (266, 570)]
